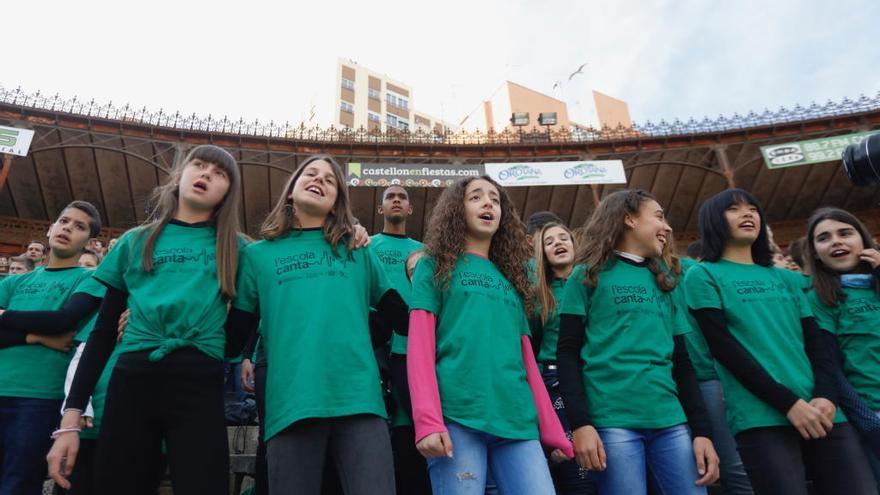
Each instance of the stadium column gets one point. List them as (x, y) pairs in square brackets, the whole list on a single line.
[(721, 153)]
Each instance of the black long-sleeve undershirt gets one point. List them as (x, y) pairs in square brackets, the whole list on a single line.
[(731, 354), (98, 348), (9, 338), (570, 369), (55, 322), (689, 395)]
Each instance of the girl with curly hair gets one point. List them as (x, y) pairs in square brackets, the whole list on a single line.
[(629, 387), (476, 390)]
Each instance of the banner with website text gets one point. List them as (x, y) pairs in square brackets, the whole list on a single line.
[(506, 174)]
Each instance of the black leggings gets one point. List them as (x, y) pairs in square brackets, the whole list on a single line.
[(179, 400), (778, 462)]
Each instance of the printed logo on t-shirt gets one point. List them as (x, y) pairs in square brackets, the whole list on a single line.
[(298, 265), (183, 255), (391, 256), (486, 285), (762, 291), (652, 300), (42, 288), (861, 306)]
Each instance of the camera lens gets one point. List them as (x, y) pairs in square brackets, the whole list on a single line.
[(861, 161)]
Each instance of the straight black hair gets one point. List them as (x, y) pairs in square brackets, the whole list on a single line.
[(715, 232)]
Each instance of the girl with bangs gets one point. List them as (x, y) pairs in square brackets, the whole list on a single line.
[(621, 349), (775, 367), (554, 251), (845, 297), (310, 293), (177, 274), (479, 403)]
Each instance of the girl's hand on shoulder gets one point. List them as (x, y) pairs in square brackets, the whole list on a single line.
[(435, 445), (872, 256), (707, 461), (588, 449), (360, 237)]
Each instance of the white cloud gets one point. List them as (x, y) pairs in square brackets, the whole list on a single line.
[(262, 60)]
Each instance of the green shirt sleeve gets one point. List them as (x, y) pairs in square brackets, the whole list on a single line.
[(246, 292), (111, 271), (7, 288), (91, 286), (576, 297), (379, 283), (826, 317), (425, 294), (700, 289)]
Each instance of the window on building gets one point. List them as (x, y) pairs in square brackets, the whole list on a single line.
[(375, 94), (346, 107), (374, 117), (348, 84)]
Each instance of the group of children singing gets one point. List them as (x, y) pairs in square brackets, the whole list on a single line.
[(518, 361)]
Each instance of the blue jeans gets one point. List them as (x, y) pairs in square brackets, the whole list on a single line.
[(666, 455), (518, 466), (733, 474), (25, 427)]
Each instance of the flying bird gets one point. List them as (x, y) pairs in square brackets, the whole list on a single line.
[(580, 70)]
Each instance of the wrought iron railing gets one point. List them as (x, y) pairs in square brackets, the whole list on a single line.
[(176, 120)]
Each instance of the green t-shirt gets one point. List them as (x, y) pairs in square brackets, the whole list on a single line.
[(393, 251), (763, 307), (629, 324), (856, 324), (179, 303), (479, 363), (35, 371), (314, 309), (550, 329), (698, 349)]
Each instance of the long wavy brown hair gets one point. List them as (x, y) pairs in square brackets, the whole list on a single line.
[(604, 231), (447, 228), (225, 218), (340, 221), (544, 272)]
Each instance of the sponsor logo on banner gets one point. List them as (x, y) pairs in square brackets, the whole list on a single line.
[(15, 141), (820, 150), (407, 174), (557, 173)]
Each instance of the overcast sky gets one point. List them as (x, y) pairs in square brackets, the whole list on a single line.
[(258, 59)]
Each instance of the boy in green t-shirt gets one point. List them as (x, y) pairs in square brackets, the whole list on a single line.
[(32, 376), (393, 247)]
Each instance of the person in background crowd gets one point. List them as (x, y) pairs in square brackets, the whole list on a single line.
[(112, 243), (4, 265), (393, 248), (21, 264), (89, 259), (554, 251), (36, 250)]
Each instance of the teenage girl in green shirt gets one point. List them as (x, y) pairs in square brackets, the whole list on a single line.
[(176, 274), (629, 387), (845, 298)]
